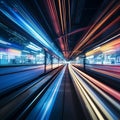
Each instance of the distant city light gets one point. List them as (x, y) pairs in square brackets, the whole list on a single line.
[(33, 47), (109, 51), (25, 21), (25, 51), (97, 48), (13, 51), (33, 52)]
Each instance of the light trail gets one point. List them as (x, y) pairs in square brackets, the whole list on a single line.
[(106, 88), (92, 96), (111, 100), (87, 37), (103, 30), (61, 17), (44, 107), (54, 16), (24, 20)]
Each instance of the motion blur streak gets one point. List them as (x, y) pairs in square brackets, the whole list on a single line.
[(108, 46), (47, 100), (105, 29), (51, 99), (107, 89), (98, 19), (76, 31), (61, 18), (111, 100), (101, 23), (80, 93), (55, 21), (111, 34), (97, 26), (85, 96), (53, 14), (110, 72), (24, 20), (109, 114)]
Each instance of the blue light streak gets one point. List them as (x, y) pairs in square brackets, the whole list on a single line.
[(24, 20), (44, 107)]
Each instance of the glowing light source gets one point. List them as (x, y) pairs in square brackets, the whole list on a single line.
[(33, 52), (25, 21), (33, 47), (105, 48), (45, 105), (90, 97), (97, 48), (25, 51), (14, 51), (109, 51), (4, 42), (88, 37)]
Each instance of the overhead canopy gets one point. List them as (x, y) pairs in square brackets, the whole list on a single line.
[(72, 27)]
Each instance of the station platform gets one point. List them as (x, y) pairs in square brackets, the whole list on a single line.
[(59, 59), (64, 93)]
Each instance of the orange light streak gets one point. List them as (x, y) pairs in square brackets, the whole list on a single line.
[(76, 31), (110, 73), (54, 17), (103, 30), (61, 18), (69, 15), (105, 47), (61, 43), (86, 38), (117, 30), (106, 88)]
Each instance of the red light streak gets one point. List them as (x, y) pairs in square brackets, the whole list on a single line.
[(76, 31), (105, 88), (53, 15), (95, 27), (103, 30)]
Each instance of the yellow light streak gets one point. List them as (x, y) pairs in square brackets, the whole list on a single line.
[(105, 47), (93, 97), (80, 86), (111, 100), (97, 26), (80, 94), (61, 18)]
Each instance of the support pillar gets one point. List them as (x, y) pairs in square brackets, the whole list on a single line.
[(84, 62), (58, 62), (51, 61), (45, 61)]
